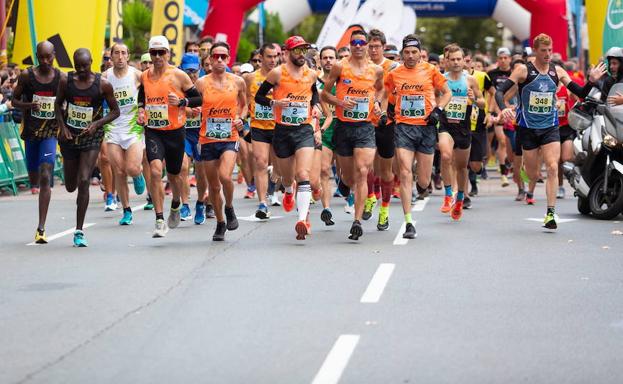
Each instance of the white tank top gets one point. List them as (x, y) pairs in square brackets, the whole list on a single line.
[(126, 93)]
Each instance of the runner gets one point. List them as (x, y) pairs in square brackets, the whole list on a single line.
[(124, 136), (166, 91), (537, 116), (35, 95), (145, 62), (455, 130), (359, 94), (262, 127), (294, 97), (327, 125), (81, 129), (223, 110), (416, 114)]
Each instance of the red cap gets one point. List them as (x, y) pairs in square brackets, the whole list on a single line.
[(295, 41)]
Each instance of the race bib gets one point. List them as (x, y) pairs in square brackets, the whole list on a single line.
[(361, 110), (79, 117), (193, 122), (157, 115), (263, 112), (457, 108), (412, 106), (474, 116), (46, 107), (541, 102), (218, 128), (124, 96), (295, 113), (562, 107)]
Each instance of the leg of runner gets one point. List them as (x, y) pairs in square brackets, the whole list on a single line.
[(157, 196), (566, 154), (461, 158), (46, 171), (203, 208), (261, 153), (385, 167), (551, 156), (325, 178), (86, 165), (363, 159), (246, 167), (108, 180), (185, 210), (211, 170), (149, 205), (225, 171), (446, 143), (314, 176), (501, 153)]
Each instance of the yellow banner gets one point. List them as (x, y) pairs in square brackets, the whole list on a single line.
[(67, 24), (116, 22), (168, 20), (605, 26)]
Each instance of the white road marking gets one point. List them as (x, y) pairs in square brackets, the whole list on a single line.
[(139, 207), (420, 205), (336, 360), (64, 233), (377, 284), (558, 220), (253, 218)]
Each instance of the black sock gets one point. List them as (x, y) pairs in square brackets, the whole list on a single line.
[(529, 195), (127, 209), (550, 210), (175, 204), (159, 216), (503, 169)]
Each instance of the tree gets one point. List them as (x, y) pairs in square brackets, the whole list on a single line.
[(310, 27), (467, 32), (249, 40), (136, 26)]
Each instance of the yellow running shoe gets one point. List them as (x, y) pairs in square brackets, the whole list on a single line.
[(40, 237)]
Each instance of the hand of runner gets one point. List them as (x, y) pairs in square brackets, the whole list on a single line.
[(318, 137), (35, 106), (508, 114), (281, 103), (615, 100), (471, 95), (65, 134), (238, 123), (91, 128), (173, 99), (194, 112), (348, 104), (141, 119), (596, 72), (377, 109)]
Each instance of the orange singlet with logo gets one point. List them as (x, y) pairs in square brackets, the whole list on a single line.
[(219, 110), (300, 94), (359, 88), (161, 115), (415, 91), (262, 117)]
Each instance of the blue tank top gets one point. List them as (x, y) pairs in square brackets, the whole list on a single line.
[(458, 109), (537, 99)]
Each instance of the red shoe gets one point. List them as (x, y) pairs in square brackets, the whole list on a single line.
[(301, 230), (34, 190), (240, 178), (530, 200), (316, 194), (308, 224), (447, 204), (457, 210), (249, 194), (288, 202), (192, 181), (167, 189)]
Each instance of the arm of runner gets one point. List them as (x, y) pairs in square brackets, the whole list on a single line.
[(114, 112), (243, 106), (329, 83), (64, 134), (272, 79), (380, 99), (326, 111), (517, 76), (474, 93), (595, 73), (17, 94)]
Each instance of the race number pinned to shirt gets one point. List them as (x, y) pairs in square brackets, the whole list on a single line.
[(124, 96), (474, 117), (46, 107), (457, 108), (193, 122), (157, 115), (218, 128), (79, 117), (361, 109), (412, 106), (541, 102), (263, 112), (294, 113)]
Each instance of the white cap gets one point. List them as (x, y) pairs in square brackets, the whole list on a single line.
[(504, 51), (159, 42), (246, 68)]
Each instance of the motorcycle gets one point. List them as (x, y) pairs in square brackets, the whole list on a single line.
[(596, 174)]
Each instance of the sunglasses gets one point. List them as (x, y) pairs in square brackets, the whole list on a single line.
[(158, 52), (106, 58), (191, 70), (299, 51), (358, 43), (222, 56)]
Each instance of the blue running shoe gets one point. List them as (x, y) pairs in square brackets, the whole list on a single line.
[(139, 184), (126, 219), (111, 203), (79, 240), (200, 213), (350, 204), (185, 213)]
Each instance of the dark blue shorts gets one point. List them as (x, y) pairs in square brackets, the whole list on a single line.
[(40, 152), (191, 145), (213, 151)]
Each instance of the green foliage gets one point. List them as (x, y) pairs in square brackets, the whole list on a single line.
[(467, 32), (249, 40), (310, 27), (136, 26)]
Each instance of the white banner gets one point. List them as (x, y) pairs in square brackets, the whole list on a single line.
[(407, 26), (381, 14), (340, 17)]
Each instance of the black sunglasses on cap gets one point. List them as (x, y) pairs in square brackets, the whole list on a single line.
[(158, 52)]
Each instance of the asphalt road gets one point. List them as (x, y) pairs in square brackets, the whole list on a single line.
[(490, 299)]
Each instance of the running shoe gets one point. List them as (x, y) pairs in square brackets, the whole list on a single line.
[(467, 202), (447, 204), (369, 207), (149, 205), (185, 213), (409, 232), (301, 230), (262, 212), (327, 217), (350, 204), (561, 193), (474, 191), (483, 174), (200, 213), (219, 233), (240, 178), (232, 220), (126, 219), (161, 229), (530, 200), (40, 237), (174, 217), (414, 197), (383, 223), (356, 231), (167, 189), (249, 194), (34, 191), (273, 200), (316, 194), (288, 202), (457, 210), (550, 221), (504, 180), (139, 184), (210, 214), (342, 188), (111, 204), (79, 240), (521, 195), (437, 182), (192, 181)]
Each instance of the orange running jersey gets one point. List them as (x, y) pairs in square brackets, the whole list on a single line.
[(161, 115), (262, 117), (299, 91), (387, 65), (415, 91), (219, 110), (359, 88)]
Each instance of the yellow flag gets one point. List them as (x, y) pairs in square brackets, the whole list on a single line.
[(168, 20), (67, 24), (116, 21)]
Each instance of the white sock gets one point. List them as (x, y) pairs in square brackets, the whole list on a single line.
[(303, 197)]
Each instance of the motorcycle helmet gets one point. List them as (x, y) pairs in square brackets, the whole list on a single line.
[(615, 53)]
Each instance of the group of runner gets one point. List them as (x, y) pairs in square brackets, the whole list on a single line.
[(297, 112)]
